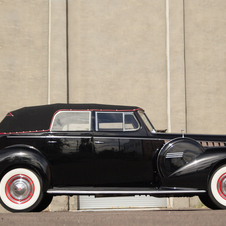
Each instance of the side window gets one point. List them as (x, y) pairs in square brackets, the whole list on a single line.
[(116, 121), (109, 121), (130, 122), (72, 121)]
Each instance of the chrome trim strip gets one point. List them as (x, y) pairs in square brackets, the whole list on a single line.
[(144, 192), (24, 136), (129, 138), (95, 137), (69, 137), (174, 155), (52, 137)]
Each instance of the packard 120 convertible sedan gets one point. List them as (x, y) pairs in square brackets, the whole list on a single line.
[(103, 150)]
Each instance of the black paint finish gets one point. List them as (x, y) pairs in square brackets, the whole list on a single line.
[(137, 158)]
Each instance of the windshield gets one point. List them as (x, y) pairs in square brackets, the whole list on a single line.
[(147, 122)]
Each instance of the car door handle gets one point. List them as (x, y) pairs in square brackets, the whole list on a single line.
[(52, 141), (99, 142)]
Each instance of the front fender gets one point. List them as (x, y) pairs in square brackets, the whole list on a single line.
[(196, 173), (25, 156)]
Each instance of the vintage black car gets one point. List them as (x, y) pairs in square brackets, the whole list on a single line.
[(103, 150)]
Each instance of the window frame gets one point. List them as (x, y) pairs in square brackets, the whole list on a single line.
[(147, 122), (123, 121), (73, 111)]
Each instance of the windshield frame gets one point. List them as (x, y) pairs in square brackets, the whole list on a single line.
[(147, 122)]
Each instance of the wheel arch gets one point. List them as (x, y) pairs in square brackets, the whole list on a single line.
[(24, 156), (215, 167)]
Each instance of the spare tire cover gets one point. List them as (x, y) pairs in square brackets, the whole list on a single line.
[(176, 153)]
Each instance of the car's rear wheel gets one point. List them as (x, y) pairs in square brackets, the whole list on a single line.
[(217, 187), (21, 190), (46, 200)]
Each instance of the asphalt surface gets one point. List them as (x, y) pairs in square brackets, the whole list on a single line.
[(193, 217)]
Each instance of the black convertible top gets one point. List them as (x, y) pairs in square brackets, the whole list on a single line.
[(38, 118)]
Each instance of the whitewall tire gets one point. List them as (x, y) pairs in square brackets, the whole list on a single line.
[(217, 187), (20, 190)]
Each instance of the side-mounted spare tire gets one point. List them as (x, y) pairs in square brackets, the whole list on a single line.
[(21, 190), (176, 153)]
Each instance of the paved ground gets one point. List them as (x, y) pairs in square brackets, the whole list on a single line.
[(167, 217)]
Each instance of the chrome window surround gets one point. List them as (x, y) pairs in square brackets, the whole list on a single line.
[(147, 122), (68, 111), (123, 122)]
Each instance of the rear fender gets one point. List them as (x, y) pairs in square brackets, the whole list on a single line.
[(25, 156)]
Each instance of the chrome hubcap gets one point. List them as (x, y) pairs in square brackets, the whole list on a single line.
[(19, 189), (223, 186)]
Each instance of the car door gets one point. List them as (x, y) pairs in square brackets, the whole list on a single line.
[(70, 148), (122, 156)]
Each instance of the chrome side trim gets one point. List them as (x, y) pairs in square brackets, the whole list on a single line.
[(69, 137), (121, 192), (174, 155), (24, 136), (78, 137), (51, 137), (128, 138)]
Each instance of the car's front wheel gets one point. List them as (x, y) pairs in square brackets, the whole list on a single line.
[(20, 190), (207, 201), (217, 187)]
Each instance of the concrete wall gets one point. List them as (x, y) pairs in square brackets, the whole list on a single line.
[(205, 42), (165, 56), (23, 54), (117, 54), (33, 67)]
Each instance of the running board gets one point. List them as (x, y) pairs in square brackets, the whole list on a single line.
[(120, 191)]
